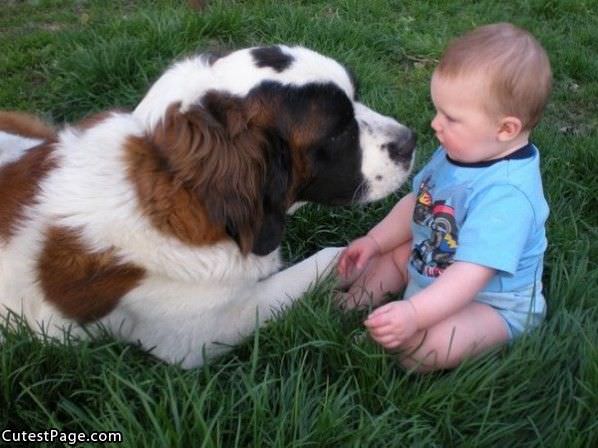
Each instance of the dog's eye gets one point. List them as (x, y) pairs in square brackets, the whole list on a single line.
[(338, 136)]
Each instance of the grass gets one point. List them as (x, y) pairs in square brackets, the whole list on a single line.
[(308, 379)]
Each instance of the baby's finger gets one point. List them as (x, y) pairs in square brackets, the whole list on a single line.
[(381, 310), (341, 267), (378, 321), (378, 313), (382, 330), (348, 268), (391, 344), (343, 264), (386, 341)]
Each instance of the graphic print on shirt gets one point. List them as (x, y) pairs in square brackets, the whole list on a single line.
[(433, 255)]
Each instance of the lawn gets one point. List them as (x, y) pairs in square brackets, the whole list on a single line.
[(309, 379)]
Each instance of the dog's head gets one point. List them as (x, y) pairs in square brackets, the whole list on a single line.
[(255, 131)]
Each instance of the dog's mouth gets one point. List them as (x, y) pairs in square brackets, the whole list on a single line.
[(362, 193), (382, 185)]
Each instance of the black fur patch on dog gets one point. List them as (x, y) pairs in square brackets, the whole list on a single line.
[(272, 57)]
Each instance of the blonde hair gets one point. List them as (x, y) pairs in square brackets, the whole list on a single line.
[(520, 78)]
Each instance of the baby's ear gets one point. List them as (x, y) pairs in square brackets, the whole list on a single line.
[(509, 128)]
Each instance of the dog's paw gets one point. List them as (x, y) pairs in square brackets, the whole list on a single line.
[(326, 260)]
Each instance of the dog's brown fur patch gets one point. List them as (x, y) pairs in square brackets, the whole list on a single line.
[(19, 185), (83, 285), (171, 208)]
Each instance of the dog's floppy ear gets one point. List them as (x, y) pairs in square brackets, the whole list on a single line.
[(274, 197), (212, 151)]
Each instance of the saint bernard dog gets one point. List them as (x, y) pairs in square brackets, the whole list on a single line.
[(162, 225)]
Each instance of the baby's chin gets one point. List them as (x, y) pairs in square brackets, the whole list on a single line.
[(459, 157)]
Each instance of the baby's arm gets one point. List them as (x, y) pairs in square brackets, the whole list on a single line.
[(396, 322), (392, 231), (395, 228), (456, 287)]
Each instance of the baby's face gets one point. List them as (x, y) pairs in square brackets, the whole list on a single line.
[(462, 124)]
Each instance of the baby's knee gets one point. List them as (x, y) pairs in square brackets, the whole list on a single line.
[(424, 355), (427, 364), (419, 362)]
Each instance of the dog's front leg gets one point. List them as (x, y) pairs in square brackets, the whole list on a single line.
[(197, 333), (286, 286)]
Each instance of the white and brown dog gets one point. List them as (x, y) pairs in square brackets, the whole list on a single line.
[(163, 225)]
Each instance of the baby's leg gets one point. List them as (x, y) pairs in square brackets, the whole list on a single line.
[(384, 274), (471, 331)]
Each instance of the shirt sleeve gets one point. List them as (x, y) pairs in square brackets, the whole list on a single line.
[(496, 228)]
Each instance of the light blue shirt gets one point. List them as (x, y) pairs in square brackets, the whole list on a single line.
[(490, 213)]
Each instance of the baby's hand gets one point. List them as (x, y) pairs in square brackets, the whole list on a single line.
[(356, 256), (392, 324)]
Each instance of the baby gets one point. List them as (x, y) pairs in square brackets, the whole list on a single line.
[(468, 243)]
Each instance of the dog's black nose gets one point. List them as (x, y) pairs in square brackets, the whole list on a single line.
[(402, 147)]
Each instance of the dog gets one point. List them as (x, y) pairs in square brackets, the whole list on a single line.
[(163, 225)]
